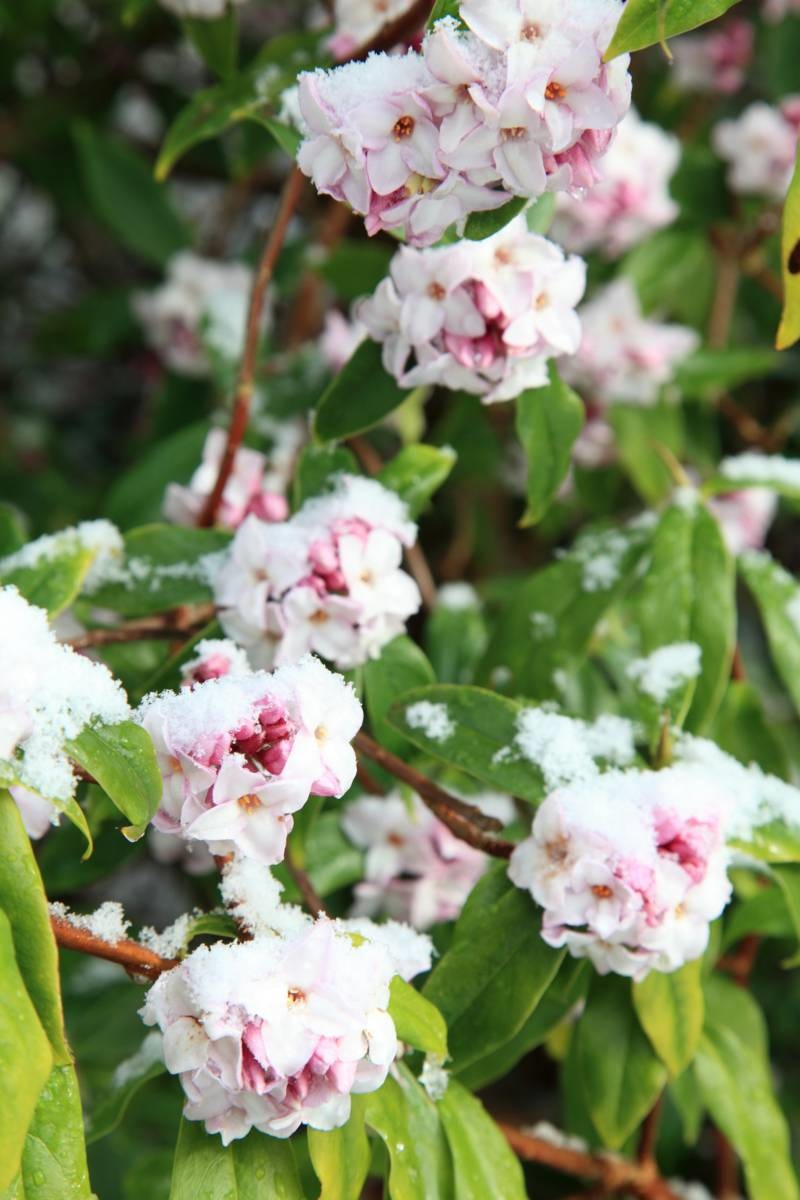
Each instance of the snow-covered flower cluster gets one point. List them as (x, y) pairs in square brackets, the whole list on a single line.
[(715, 61), (631, 198), (48, 694), (760, 147), (277, 1032), (204, 10), (624, 357), (213, 658), (630, 869), (238, 754), (356, 22), (252, 487), (202, 303), (482, 317), (328, 580), (518, 103), (415, 869)]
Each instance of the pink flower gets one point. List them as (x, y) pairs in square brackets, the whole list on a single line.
[(277, 1032), (716, 61), (244, 491), (760, 148), (213, 658), (340, 339), (745, 517)]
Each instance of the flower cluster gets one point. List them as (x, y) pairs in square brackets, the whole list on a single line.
[(631, 198), (239, 754), (277, 1032), (327, 581), (629, 869), (716, 61), (760, 148), (415, 870), (202, 303), (745, 517), (624, 357), (482, 317), (213, 658), (252, 487), (518, 103)]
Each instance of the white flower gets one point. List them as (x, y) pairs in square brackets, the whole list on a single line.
[(760, 148)]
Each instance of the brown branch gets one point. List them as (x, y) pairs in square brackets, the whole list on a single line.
[(184, 621), (244, 387), (305, 887), (136, 959), (466, 821), (649, 1137), (399, 30), (614, 1174)]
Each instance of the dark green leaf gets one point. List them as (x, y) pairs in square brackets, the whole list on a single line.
[(216, 40), (361, 395), (741, 729), (456, 637), (166, 567), (777, 595), (670, 1008), (407, 1121), (54, 1156), (640, 433), (443, 8), (481, 225), (788, 878), (54, 582), (138, 495), (549, 420), (129, 1077), (764, 913), (483, 1162), (12, 531), (401, 667), (416, 473), (122, 760), (674, 272), (250, 1169), (417, 1020), (317, 468), (647, 22), (706, 373), (341, 1157)]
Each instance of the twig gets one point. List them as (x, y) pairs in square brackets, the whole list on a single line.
[(244, 387), (304, 885), (466, 821), (727, 1168), (184, 621), (130, 955), (649, 1138), (399, 30), (615, 1174), (368, 781)]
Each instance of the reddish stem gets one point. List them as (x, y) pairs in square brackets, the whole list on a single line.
[(130, 955)]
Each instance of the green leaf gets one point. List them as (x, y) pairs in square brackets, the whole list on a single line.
[(674, 272), (252, 1168), (444, 8), (416, 473), (401, 667), (706, 373), (788, 878), (54, 1155), (166, 566), (317, 468), (622, 1077), (121, 758), (647, 22), (137, 496), (742, 730), (789, 329), (686, 1097), (481, 225), (54, 582), (416, 1019), (407, 1121), (541, 212), (640, 432), (483, 1162), (129, 1077), (549, 420), (777, 595), (25, 1058), (687, 595), (12, 530), (341, 1157), (123, 193), (764, 913), (670, 1008), (332, 862), (455, 638), (23, 899), (734, 1077), (285, 135), (493, 976), (215, 40), (360, 396)]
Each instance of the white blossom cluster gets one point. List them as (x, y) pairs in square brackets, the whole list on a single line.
[(760, 148), (482, 317), (518, 103)]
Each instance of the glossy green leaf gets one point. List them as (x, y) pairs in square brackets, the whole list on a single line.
[(456, 637), (25, 1058), (341, 1157), (400, 667), (215, 39), (416, 473), (777, 595), (53, 583), (734, 1077), (741, 729), (674, 272), (166, 567), (361, 395), (641, 433), (443, 8), (764, 913), (129, 1077), (789, 329), (493, 976), (775, 842), (483, 1162), (252, 1168), (646, 22), (317, 467), (407, 1121), (12, 530), (687, 595), (706, 373), (416, 1019), (123, 193), (137, 496), (481, 225), (670, 1008), (23, 899), (685, 1095), (788, 878), (54, 1155), (622, 1077), (549, 420), (122, 760)]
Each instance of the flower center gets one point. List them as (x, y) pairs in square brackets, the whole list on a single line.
[(319, 617), (530, 33), (249, 803), (175, 764), (294, 996), (321, 733), (541, 301), (396, 839), (602, 891), (366, 576), (514, 133), (403, 128), (555, 91), (436, 291)]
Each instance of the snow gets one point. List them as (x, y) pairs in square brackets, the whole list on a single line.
[(171, 942), (252, 896), (564, 749), (102, 539), (666, 669), (108, 922), (433, 1077), (458, 597), (149, 1053), (432, 719), (767, 470)]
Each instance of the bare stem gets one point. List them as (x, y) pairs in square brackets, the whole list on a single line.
[(136, 959), (304, 885), (184, 621)]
